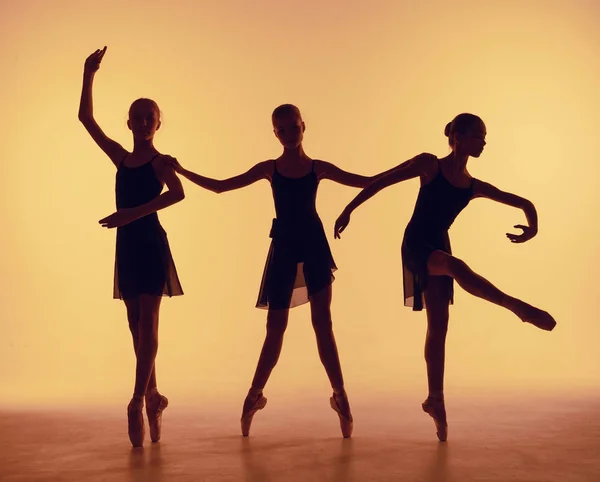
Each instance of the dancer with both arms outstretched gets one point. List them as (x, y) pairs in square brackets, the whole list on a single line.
[(428, 265), (299, 265)]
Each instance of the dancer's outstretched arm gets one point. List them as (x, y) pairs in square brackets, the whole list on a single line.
[(327, 170), (255, 173), (486, 190), (410, 169)]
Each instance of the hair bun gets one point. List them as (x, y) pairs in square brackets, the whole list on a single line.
[(447, 129)]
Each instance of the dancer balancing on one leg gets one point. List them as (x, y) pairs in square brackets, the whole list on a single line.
[(299, 266), (428, 265), (144, 268)]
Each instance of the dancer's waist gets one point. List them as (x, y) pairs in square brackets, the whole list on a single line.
[(295, 227)]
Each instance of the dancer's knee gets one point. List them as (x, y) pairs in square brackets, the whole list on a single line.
[(133, 315), (437, 333), (277, 321)]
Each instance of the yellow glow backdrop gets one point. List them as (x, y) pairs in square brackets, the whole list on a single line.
[(376, 82)]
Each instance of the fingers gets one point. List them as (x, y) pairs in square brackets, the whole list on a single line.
[(172, 163), (517, 238), (101, 54), (97, 55), (115, 220), (108, 221), (524, 236), (168, 161)]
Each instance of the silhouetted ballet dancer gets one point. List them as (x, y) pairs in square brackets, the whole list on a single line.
[(144, 268), (299, 266), (428, 265)]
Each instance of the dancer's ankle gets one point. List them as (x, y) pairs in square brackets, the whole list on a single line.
[(339, 391), (255, 392), (137, 401), (151, 392), (436, 395)]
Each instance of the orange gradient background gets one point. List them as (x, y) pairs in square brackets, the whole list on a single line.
[(376, 82)]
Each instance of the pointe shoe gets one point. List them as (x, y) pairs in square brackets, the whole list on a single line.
[(346, 421), (437, 411), (154, 408), (539, 318), (135, 423), (248, 414)]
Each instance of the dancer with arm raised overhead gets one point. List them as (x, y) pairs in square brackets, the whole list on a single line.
[(144, 267)]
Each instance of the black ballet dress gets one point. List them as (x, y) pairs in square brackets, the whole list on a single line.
[(299, 263), (437, 206), (143, 263)]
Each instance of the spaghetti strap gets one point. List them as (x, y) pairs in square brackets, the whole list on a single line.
[(145, 163)]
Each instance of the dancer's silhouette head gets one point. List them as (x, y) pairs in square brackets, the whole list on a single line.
[(144, 119), (466, 134), (288, 125)]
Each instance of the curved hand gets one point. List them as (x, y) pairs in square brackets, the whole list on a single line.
[(118, 219), (528, 233), (92, 63), (174, 163), (340, 224)]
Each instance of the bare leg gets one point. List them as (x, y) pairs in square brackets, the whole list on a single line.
[(269, 355), (436, 304), (440, 263), (320, 307), (155, 402), (133, 317), (276, 325), (146, 348)]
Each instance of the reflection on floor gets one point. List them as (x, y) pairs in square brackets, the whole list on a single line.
[(501, 439)]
